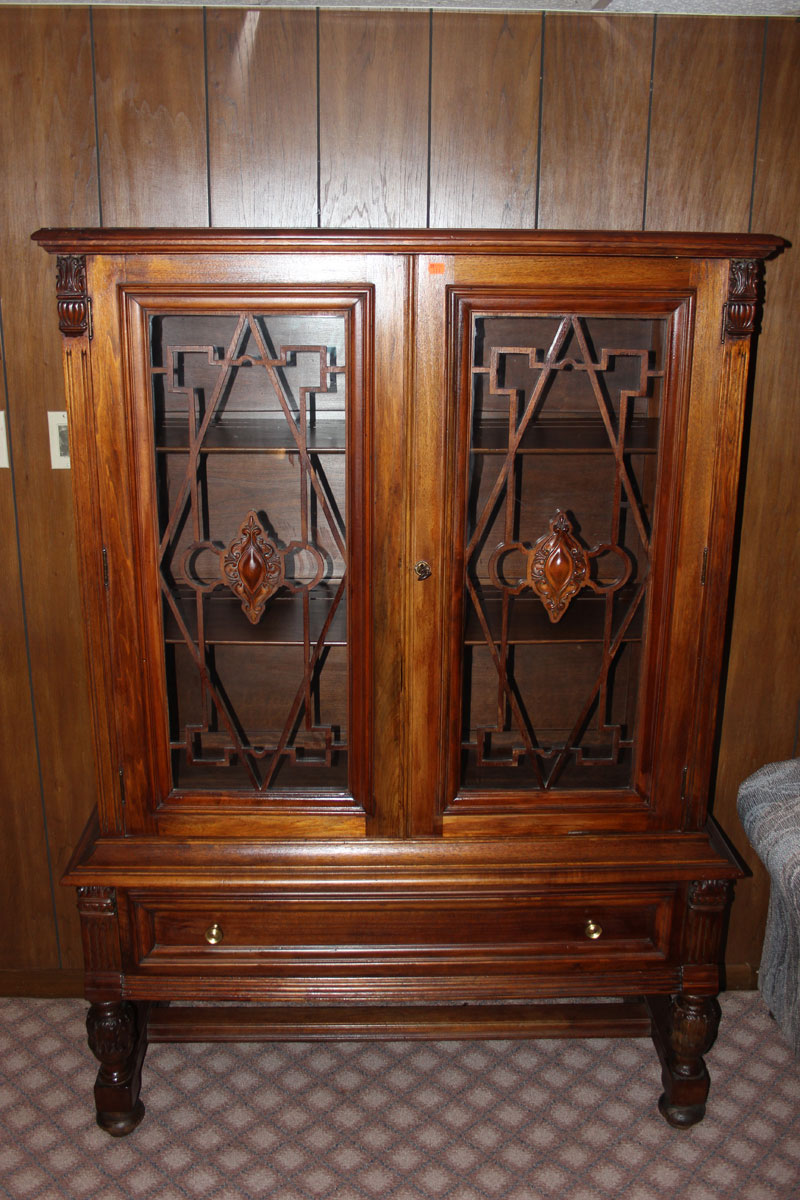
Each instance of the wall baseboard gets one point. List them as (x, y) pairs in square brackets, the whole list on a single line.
[(741, 977)]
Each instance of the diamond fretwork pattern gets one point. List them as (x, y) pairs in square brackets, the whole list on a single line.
[(563, 461), (250, 412)]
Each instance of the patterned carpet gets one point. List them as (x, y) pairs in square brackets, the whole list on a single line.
[(520, 1120)]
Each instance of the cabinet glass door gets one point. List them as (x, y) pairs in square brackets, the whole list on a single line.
[(561, 435), (258, 426)]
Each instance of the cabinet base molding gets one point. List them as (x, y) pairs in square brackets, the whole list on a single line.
[(441, 1022)]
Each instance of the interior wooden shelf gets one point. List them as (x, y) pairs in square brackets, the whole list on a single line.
[(567, 435), (247, 436), (281, 624), (529, 623)]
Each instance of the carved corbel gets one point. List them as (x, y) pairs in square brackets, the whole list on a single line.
[(74, 304), (744, 297)]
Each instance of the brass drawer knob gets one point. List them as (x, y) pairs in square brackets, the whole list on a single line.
[(593, 930), (214, 934), (422, 569)]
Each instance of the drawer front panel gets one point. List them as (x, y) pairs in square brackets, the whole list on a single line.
[(343, 934)]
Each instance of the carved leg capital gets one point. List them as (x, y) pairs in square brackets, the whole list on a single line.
[(117, 1038)]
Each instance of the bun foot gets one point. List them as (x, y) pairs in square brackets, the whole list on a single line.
[(121, 1124), (680, 1116)]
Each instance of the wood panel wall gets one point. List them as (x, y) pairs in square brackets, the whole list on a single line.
[(302, 118)]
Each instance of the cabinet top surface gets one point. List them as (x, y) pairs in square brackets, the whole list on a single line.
[(411, 241)]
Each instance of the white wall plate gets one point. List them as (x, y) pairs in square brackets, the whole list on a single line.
[(59, 440)]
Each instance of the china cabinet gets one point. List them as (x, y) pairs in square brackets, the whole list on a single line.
[(405, 564)]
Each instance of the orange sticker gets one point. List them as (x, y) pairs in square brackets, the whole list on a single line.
[(436, 268)]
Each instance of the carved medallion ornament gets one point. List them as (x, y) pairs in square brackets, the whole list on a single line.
[(558, 567), (74, 305), (741, 309), (253, 568)]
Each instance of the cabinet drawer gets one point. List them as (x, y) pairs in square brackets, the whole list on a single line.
[(339, 935)]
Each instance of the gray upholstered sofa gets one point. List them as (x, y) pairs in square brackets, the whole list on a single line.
[(769, 807)]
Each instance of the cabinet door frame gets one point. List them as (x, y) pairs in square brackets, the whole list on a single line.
[(127, 676), (590, 302), (669, 680), (355, 305)]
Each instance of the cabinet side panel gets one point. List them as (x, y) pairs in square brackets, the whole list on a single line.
[(686, 657)]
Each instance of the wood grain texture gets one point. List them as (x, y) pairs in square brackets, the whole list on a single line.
[(42, 982), (151, 116), (703, 129), (594, 121), (262, 94), (48, 169), (25, 884), (762, 701), (373, 119), (591, 74), (484, 120)]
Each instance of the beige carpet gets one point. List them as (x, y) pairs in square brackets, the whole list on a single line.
[(522, 1120)]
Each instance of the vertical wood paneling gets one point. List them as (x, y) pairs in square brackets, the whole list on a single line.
[(30, 939), (262, 80), (373, 108), (705, 107), (762, 701), (47, 163), (595, 105), (484, 120), (373, 119), (151, 113)]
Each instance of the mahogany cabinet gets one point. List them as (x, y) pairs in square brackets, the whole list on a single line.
[(405, 561)]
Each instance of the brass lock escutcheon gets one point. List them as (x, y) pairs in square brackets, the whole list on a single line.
[(422, 569)]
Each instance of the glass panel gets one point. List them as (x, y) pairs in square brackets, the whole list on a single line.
[(250, 411), (563, 462)]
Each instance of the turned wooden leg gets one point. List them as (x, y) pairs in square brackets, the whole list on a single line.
[(118, 1039), (684, 1029)]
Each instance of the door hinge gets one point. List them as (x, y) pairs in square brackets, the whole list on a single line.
[(105, 568), (704, 567), (684, 776), (122, 786)]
